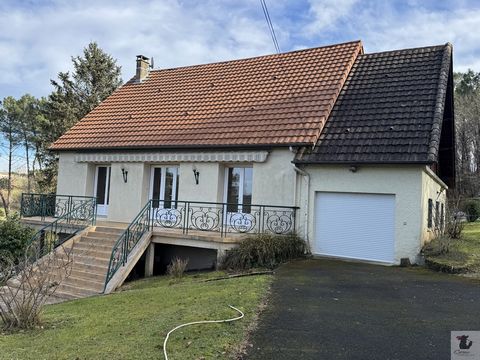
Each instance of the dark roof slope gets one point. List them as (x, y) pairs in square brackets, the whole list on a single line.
[(390, 110), (282, 99)]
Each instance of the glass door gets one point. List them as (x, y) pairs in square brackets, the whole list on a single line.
[(238, 196), (102, 188), (239, 189), (164, 187)]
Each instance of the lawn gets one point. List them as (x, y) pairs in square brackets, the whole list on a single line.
[(464, 253), (132, 323)]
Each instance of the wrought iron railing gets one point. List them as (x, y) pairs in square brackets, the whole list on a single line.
[(224, 218), (50, 205), (127, 241), (203, 216), (79, 217)]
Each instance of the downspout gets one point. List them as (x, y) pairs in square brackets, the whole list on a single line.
[(306, 177)]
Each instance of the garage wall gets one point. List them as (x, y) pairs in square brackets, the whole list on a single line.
[(405, 182), (432, 188)]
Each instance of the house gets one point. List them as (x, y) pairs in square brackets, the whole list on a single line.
[(353, 151)]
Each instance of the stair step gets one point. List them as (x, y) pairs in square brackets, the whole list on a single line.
[(92, 252), (88, 259), (84, 285), (98, 240), (87, 267), (91, 260), (110, 230), (66, 295), (96, 277), (86, 247), (86, 243), (102, 235), (76, 290), (85, 282)]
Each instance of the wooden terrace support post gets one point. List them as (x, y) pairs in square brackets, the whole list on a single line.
[(149, 259)]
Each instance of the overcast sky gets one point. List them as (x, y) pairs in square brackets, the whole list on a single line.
[(38, 37)]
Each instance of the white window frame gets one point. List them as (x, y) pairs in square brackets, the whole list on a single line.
[(162, 183), (104, 207), (242, 181)]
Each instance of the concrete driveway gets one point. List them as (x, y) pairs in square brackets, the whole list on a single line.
[(322, 309)]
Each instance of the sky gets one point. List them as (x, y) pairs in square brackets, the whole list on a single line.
[(38, 37)]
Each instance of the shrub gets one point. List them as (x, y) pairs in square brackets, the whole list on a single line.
[(438, 246), (264, 250), (177, 268), (14, 237), (454, 226), (472, 208)]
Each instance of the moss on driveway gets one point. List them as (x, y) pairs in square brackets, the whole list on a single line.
[(132, 324)]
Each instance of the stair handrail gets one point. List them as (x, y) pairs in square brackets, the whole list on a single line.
[(127, 241), (54, 234)]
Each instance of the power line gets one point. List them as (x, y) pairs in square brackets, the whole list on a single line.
[(270, 25)]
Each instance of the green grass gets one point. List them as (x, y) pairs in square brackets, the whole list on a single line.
[(132, 323), (464, 253)]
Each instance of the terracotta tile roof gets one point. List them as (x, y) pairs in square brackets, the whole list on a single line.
[(390, 110), (281, 99)]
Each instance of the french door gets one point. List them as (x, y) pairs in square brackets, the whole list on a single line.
[(164, 187), (238, 196), (238, 189), (102, 188)]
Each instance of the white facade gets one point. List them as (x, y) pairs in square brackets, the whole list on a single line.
[(275, 181)]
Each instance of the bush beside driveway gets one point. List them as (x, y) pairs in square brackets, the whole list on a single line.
[(457, 255), (323, 309)]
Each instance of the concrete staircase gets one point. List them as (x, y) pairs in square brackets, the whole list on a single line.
[(90, 258)]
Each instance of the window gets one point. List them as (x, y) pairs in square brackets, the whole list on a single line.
[(239, 189), (103, 184), (164, 187), (430, 213), (442, 217), (437, 214)]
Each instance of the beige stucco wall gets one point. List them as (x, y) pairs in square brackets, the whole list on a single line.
[(432, 188), (208, 184), (126, 199), (74, 178), (405, 182), (274, 180)]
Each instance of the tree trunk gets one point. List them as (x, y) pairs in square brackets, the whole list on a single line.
[(4, 203), (29, 184), (10, 155)]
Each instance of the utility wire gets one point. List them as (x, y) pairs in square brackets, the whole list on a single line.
[(270, 25)]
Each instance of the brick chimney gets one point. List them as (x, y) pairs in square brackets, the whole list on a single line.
[(143, 68)]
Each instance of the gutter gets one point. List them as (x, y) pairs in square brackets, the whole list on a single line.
[(435, 177), (306, 177)]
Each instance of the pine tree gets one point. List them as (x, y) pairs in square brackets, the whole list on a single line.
[(95, 76)]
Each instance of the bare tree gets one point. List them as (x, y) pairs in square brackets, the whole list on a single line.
[(30, 282)]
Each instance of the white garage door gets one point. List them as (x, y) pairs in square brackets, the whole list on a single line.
[(359, 226)]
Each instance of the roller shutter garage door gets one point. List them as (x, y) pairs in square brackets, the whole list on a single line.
[(356, 226)]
